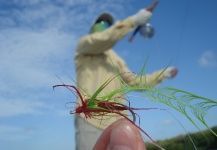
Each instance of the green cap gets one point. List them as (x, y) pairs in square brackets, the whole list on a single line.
[(103, 17)]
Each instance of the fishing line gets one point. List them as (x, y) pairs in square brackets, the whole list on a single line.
[(156, 42), (182, 32), (180, 39), (183, 128)]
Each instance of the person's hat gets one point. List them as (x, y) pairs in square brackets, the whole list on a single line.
[(104, 17)]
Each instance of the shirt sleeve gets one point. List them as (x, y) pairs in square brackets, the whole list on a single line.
[(133, 79), (101, 41)]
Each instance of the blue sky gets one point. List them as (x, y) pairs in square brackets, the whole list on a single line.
[(37, 43)]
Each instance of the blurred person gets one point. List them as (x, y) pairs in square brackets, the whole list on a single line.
[(96, 62)]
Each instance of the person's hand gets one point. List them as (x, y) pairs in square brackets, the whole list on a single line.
[(121, 135), (142, 17), (170, 72)]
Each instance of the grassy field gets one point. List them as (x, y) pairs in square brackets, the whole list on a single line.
[(182, 142)]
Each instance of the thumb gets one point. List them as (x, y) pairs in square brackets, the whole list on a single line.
[(121, 135), (125, 136)]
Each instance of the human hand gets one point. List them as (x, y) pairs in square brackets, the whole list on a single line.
[(121, 135), (171, 72), (142, 17)]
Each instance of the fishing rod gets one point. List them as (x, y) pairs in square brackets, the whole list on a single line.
[(150, 8)]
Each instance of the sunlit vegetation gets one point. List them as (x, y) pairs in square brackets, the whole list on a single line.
[(182, 142)]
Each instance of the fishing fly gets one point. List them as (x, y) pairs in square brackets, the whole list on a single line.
[(95, 105), (101, 106)]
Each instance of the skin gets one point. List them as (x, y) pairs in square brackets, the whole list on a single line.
[(121, 135)]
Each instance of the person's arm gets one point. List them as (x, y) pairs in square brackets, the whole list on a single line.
[(101, 41), (149, 80)]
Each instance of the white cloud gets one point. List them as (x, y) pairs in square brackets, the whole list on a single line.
[(12, 137), (167, 122), (9, 108), (208, 59), (32, 59), (8, 129), (13, 133), (38, 39)]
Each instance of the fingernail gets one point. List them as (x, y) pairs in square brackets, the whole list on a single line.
[(123, 138)]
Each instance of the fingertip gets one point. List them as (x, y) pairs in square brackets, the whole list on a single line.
[(126, 136), (121, 135)]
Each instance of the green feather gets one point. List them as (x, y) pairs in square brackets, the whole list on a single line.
[(177, 99)]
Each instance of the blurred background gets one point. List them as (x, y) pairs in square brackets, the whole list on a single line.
[(37, 43)]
